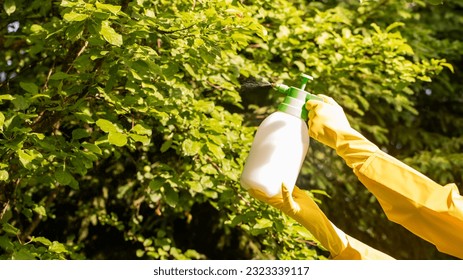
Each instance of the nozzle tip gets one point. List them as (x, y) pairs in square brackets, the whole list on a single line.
[(281, 88), (306, 77)]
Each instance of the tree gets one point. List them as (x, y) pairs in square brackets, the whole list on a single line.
[(124, 130)]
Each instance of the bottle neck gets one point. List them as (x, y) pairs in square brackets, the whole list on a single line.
[(294, 104)]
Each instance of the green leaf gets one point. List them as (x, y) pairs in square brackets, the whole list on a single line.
[(42, 240), (156, 184), (9, 6), (140, 253), (6, 97), (195, 186), (171, 196), (376, 28), (406, 49), (20, 102), (263, 223), (204, 106), (191, 148), (59, 76), (29, 87), (80, 133), (190, 70), (57, 247), (6, 243), (4, 175), (166, 145), (35, 28), (394, 25), (23, 254), (425, 78), (209, 169), (8, 228), (117, 138), (110, 35), (140, 129), (108, 7), (73, 16), (448, 65), (75, 31), (25, 158), (63, 177), (216, 150), (39, 209), (92, 148), (106, 125), (145, 140), (2, 121)]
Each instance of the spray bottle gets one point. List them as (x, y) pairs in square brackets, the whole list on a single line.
[(280, 144)]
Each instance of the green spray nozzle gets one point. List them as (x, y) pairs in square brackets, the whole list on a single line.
[(294, 102), (304, 79), (293, 91)]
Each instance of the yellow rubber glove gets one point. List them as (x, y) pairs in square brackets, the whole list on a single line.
[(328, 124), (301, 207), (429, 210)]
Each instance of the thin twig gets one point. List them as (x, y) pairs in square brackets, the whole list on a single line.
[(45, 86), (5, 207), (78, 54)]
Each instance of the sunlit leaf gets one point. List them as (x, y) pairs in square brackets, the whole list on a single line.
[(42, 240), (73, 16), (106, 125), (190, 147), (110, 35), (117, 138), (9, 6), (4, 175), (108, 7), (57, 247), (40, 209)]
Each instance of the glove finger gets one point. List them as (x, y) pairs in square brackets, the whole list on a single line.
[(312, 104), (328, 99), (288, 200), (311, 114)]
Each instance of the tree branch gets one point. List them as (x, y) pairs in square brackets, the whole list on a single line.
[(7, 196)]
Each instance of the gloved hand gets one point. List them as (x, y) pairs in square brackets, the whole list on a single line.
[(328, 124), (301, 207), (409, 198)]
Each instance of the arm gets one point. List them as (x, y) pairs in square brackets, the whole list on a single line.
[(429, 210), (301, 207)]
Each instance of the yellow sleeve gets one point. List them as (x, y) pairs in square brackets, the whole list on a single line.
[(301, 207), (356, 250), (429, 210)]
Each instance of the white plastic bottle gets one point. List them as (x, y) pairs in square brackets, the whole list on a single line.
[(280, 144)]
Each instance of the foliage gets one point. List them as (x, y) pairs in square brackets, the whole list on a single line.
[(123, 131)]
